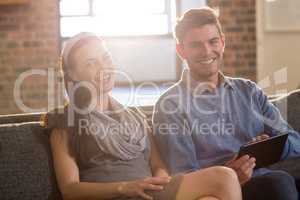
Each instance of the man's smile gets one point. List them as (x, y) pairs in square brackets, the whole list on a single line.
[(206, 61)]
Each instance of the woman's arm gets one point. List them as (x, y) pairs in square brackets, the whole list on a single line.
[(67, 174), (158, 167)]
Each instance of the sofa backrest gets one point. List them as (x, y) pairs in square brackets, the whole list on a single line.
[(20, 118), (289, 106), (26, 170)]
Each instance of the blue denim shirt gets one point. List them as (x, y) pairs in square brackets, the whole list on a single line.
[(197, 126)]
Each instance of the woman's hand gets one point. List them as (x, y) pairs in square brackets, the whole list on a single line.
[(138, 188)]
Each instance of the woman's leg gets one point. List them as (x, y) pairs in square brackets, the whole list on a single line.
[(219, 182)]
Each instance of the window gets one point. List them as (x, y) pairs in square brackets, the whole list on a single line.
[(117, 17)]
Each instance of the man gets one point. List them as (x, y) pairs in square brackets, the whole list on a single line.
[(203, 119)]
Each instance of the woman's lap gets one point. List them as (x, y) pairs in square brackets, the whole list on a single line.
[(168, 193)]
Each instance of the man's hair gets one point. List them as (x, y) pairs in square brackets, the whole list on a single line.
[(195, 18)]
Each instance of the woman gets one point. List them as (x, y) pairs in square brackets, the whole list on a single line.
[(108, 152)]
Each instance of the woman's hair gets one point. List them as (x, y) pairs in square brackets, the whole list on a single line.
[(195, 18)]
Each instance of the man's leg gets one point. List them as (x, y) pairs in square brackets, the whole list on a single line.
[(298, 187), (276, 185)]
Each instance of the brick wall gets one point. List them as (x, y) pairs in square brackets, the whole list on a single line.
[(29, 39), (239, 25)]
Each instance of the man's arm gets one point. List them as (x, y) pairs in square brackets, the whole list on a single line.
[(173, 137), (274, 124)]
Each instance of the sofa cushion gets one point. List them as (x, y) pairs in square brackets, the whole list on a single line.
[(292, 166), (26, 170)]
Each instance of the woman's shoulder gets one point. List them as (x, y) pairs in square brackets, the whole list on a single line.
[(55, 118)]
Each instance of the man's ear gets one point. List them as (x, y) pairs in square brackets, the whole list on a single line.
[(180, 51)]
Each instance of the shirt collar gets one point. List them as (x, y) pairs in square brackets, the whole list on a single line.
[(202, 87), (225, 80)]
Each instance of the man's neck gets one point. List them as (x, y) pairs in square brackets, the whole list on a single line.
[(213, 79)]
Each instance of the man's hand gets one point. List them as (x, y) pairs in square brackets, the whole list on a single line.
[(243, 166), (259, 138)]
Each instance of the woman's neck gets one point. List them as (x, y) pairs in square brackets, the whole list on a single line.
[(103, 102)]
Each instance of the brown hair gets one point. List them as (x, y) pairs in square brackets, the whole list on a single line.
[(194, 18)]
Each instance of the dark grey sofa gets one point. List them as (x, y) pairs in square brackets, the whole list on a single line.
[(26, 170)]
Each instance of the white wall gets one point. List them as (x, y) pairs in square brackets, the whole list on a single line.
[(278, 53), (148, 59), (144, 59)]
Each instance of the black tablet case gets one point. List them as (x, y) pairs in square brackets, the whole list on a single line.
[(266, 152)]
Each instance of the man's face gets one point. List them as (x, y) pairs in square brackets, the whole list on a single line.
[(202, 48)]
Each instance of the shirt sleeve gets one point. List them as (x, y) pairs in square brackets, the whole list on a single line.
[(274, 124), (172, 134)]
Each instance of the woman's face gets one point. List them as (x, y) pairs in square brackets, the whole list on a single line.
[(92, 63)]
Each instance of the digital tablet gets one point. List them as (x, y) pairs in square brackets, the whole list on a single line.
[(266, 152)]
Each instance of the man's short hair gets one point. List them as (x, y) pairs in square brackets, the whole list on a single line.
[(195, 18)]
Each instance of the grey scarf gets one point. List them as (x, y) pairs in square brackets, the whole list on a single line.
[(124, 138)]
